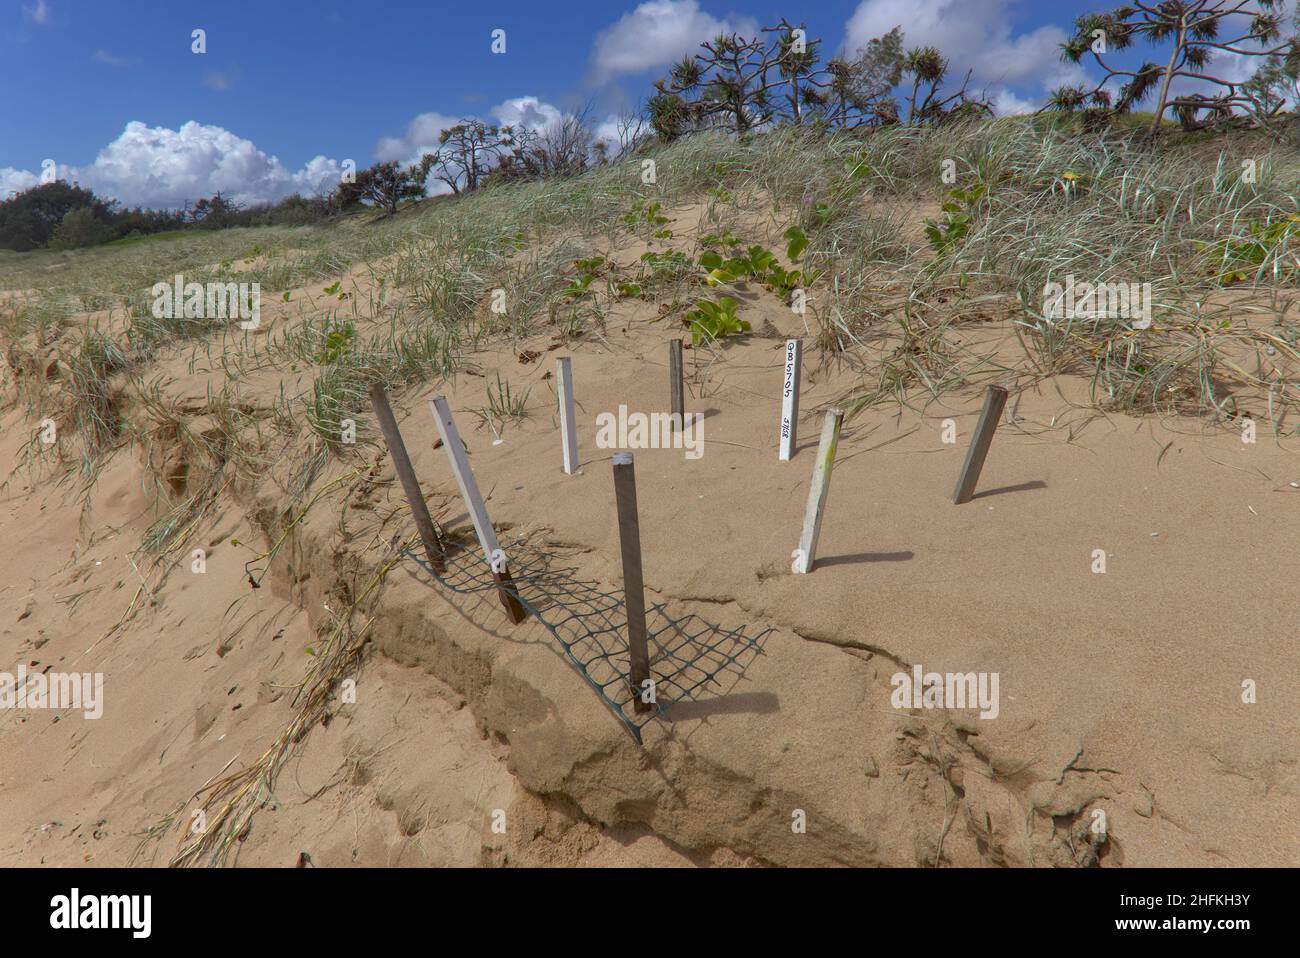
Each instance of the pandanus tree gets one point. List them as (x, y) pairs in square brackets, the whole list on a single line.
[(927, 103), (742, 84), (1199, 35), (797, 63)]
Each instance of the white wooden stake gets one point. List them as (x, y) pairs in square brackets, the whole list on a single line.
[(568, 428), (487, 537), (676, 381), (790, 398), (806, 554)]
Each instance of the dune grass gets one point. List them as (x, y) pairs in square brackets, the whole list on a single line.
[(408, 299)]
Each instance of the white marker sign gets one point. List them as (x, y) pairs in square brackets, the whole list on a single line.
[(568, 428), (790, 398)]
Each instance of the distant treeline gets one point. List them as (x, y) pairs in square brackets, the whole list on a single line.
[(743, 85), (60, 215)]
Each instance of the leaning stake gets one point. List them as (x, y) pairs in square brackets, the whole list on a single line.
[(790, 398), (676, 386), (629, 540), (994, 399), (487, 537), (568, 429), (435, 549), (806, 554)]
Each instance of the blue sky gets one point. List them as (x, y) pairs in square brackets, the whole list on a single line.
[(289, 88)]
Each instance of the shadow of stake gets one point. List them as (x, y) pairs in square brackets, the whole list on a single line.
[(759, 703), (858, 557), (1002, 490)]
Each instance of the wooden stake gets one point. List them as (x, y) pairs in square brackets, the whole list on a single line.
[(994, 399), (676, 384), (487, 537), (806, 554), (790, 398), (568, 427), (435, 550), (629, 540)]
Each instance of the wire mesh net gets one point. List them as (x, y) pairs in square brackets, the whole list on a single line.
[(690, 658)]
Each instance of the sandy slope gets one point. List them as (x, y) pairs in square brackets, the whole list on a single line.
[(1120, 692)]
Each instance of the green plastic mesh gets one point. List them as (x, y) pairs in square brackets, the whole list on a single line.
[(690, 658)]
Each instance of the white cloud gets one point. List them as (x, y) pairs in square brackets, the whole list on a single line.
[(656, 34), (164, 168), (318, 177), (39, 12), (160, 167), (103, 56), (619, 131), (421, 137), (607, 131), (155, 165), (974, 35), (1006, 103), (15, 181), (527, 111)]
